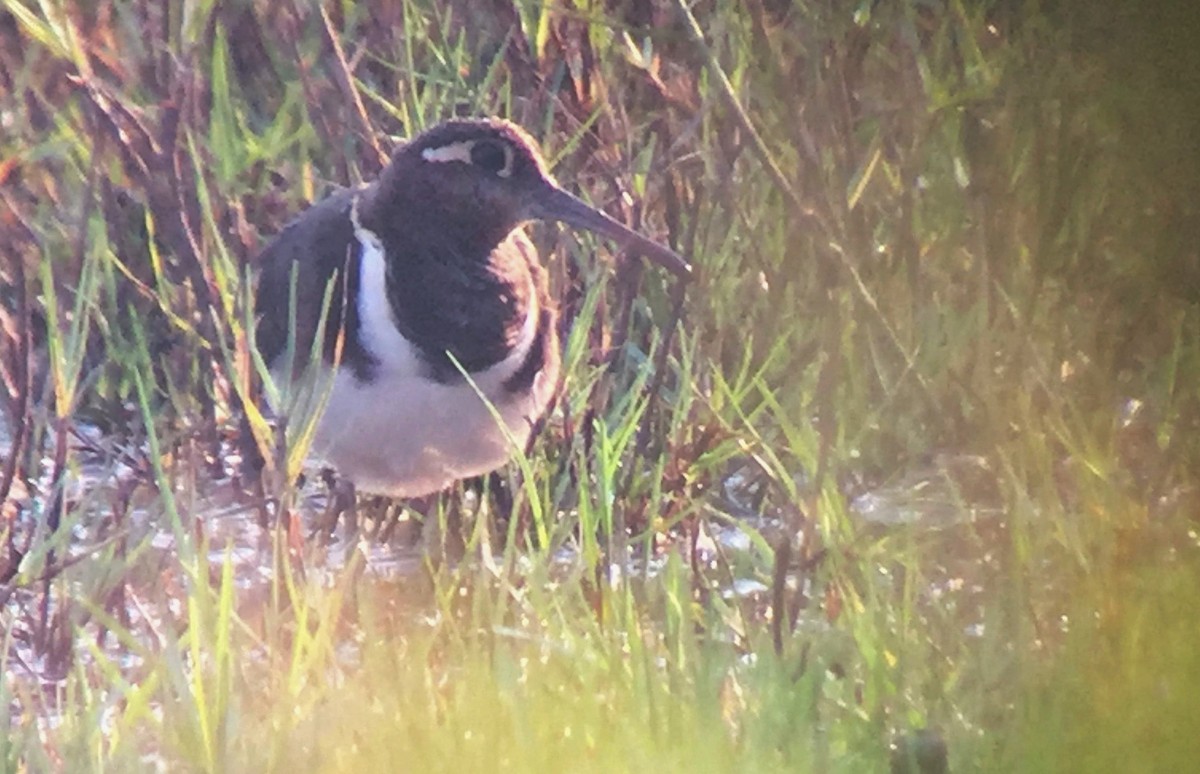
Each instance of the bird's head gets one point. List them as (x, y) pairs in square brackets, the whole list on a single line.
[(487, 176)]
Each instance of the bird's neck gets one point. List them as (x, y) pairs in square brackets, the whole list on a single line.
[(466, 296)]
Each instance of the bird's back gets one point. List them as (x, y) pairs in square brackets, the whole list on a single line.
[(315, 249)]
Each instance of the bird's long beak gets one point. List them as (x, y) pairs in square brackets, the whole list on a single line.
[(556, 204)]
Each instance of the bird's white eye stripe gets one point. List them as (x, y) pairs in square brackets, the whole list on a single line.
[(455, 151), (463, 152), (508, 162)]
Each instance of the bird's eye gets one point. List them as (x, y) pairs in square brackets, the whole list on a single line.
[(493, 157)]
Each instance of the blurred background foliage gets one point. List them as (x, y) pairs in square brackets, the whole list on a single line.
[(925, 230)]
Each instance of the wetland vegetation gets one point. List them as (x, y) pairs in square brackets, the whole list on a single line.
[(915, 461)]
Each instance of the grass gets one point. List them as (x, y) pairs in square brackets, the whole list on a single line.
[(946, 260)]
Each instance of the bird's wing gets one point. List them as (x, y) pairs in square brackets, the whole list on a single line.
[(318, 249)]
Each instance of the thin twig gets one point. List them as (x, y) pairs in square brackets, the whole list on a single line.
[(345, 82), (807, 214), (19, 408), (678, 296), (779, 607)]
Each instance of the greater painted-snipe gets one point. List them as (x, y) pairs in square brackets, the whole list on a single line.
[(418, 294)]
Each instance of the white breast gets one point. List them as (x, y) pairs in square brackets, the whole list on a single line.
[(402, 434)]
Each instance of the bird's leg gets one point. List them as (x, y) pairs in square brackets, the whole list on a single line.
[(342, 500), (441, 529), (251, 470), (503, 496), (503, 502), (392, 521)]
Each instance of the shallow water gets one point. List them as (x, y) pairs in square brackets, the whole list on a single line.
[(730, 550)]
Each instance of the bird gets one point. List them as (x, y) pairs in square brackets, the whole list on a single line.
[(410, 319)]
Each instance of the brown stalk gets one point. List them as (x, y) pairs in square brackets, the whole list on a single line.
[(19, 408), (345, 81)]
